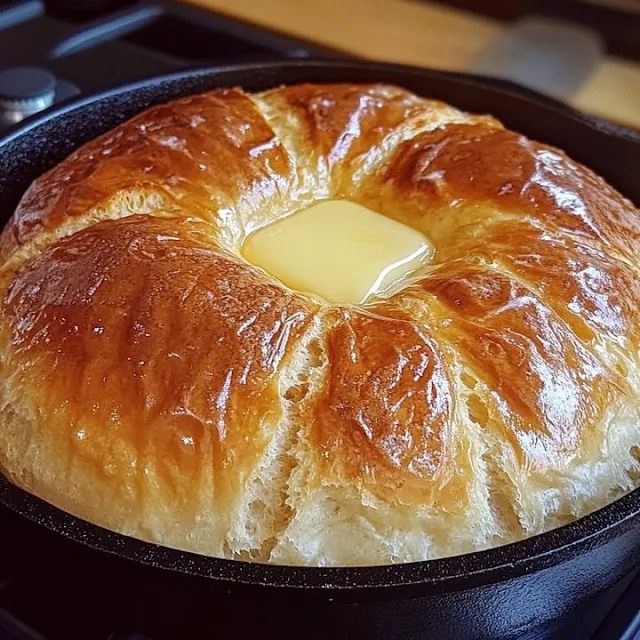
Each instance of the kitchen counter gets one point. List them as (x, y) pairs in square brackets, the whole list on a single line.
[(424, 34)]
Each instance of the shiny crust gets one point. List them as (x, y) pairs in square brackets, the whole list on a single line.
[(157, 384)]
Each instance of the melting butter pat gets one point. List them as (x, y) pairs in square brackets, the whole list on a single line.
[(338, 250)]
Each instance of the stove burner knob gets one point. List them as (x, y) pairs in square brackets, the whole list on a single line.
[(25, 91)]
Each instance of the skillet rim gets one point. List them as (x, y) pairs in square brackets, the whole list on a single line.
[(466, 571), (497, 85)]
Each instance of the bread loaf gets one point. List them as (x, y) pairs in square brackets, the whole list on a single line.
[(157, 384)]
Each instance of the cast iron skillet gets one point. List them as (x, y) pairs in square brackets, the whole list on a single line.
[(496, 593)]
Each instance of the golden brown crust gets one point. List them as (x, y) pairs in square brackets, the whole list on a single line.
[(157, 384), (343, 131), (476, 163), (387, 400), (552, 391), (594, 293), (154, 350), (204, 154), (342, 122)]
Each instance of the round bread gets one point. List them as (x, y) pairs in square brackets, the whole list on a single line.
[(157, 384)]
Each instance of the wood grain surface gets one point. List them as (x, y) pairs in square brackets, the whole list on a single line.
[(424, 34)]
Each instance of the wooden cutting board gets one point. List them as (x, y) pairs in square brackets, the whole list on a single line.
[(424, 34)]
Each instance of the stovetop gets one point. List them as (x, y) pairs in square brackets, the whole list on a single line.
[(66, 59), (51, 588)]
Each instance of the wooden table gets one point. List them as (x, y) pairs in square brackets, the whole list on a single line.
[(424, 34)]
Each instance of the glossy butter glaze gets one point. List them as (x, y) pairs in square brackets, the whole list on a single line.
[(387, 400), (479, 164), (157, 359)]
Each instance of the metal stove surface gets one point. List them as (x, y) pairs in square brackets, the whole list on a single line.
[(50, 588), (142, 40)]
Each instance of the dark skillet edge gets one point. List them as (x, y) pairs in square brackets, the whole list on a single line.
[(496, 85), (452, 574), (414, 579)]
